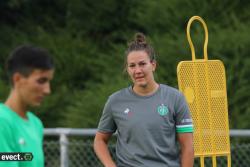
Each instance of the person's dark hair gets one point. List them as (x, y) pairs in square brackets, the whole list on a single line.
[(139, 43), (26, 58)]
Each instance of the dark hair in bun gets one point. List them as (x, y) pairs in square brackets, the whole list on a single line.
[(139, 43)]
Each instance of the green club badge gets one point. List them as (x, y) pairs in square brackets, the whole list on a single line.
[(162, 110)]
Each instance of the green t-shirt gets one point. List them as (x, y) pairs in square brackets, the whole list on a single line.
[(20, 135)]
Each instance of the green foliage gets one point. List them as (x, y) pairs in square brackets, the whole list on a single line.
[(88, 40), (90, 100), (233, 50)]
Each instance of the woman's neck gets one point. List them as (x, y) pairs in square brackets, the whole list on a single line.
[(146, 90)]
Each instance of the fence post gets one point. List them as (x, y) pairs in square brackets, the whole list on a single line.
[(64, 150)]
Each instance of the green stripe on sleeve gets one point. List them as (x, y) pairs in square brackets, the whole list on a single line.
[(184, 129)]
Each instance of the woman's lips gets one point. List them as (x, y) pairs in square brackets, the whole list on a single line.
[(139, 78)]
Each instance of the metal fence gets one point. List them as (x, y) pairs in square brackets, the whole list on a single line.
[(65, 147)]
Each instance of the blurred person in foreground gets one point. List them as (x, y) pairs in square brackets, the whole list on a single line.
[(30, 70), (150, 118)]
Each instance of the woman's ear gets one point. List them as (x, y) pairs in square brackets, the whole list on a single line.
[(154, 65)]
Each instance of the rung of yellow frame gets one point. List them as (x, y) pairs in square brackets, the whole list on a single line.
[(203, 83)]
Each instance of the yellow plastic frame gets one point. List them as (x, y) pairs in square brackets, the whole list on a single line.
[(203, 83)]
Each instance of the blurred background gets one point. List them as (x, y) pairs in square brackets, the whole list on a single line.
[(88, 39)]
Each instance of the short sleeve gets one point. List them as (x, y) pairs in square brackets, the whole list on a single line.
[(184, 123), (107, 123)]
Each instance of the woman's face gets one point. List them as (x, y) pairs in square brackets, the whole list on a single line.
[(140, 68)]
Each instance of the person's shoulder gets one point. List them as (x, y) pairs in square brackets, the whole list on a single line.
[(6, 119), (170, 90), (5, 114), (119, 94), (32, 117)]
